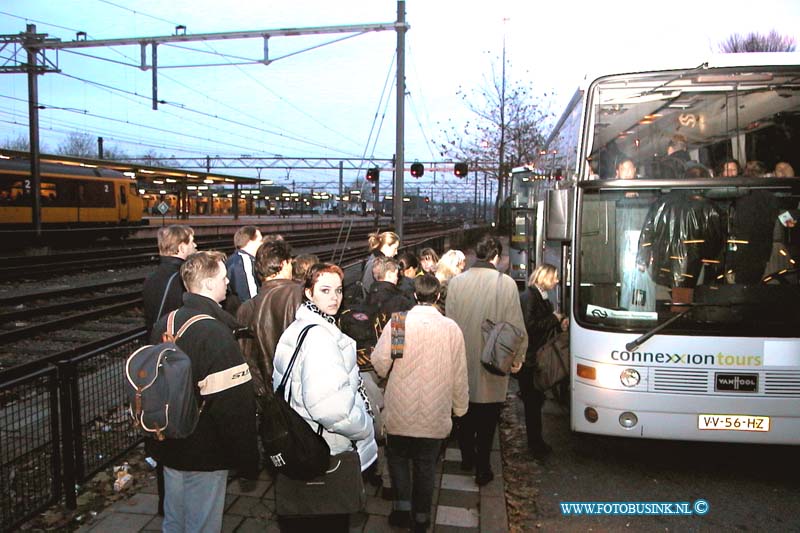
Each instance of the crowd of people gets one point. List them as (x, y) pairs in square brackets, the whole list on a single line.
[(393, 390)]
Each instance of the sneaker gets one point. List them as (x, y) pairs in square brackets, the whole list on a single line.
[(483, 478), (400, 519)]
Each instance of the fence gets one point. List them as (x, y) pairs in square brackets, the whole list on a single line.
[(61, 420)]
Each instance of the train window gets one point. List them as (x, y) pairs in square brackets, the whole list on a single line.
[(56, 192), (48, 193), (97, 194), (15, 190), (123, 198)]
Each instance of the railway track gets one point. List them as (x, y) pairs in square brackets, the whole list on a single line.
[(43, 323), (35, 267)]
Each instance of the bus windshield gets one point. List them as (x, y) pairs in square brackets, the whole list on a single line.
[(727, 250), (676, 123)]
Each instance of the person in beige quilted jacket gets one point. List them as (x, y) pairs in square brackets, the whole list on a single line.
[(426, 385)]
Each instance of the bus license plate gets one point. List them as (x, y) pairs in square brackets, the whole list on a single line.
[(733, 422)]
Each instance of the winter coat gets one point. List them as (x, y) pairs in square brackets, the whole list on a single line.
[(154, 287), (267, 316), (429, 383), (324, 384), (225, 437), (473, 296), (540, 322), (679, 232), (242, 275), (388, 299)]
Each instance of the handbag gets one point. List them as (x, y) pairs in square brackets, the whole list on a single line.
[(501, 343), (340, 490), (552, 362), (293, 448)]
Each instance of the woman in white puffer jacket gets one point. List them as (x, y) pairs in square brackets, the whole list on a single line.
[(325, 385)]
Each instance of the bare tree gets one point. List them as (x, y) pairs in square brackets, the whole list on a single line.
[(20, 143), (79, 145), (756, 42), (507, 129)]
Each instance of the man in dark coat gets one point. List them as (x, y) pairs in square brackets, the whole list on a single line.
[(162, 293), (196, 468), (384, 294), (163, 289)]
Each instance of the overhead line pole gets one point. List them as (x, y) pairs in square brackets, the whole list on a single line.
[(399, 162)]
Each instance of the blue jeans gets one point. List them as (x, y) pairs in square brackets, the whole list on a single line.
[(193, 501), (407, 454)]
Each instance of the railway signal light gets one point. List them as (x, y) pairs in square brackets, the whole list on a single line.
[(427, 200), (417, 169), (373, 174), (460, 170)]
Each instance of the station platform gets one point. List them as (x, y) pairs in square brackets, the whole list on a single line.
[(459, 505)]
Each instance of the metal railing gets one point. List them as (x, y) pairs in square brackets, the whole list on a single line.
[(62, 420)]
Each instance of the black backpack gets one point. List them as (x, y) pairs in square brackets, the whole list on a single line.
[(160, 387), (292, 447), (362, 323)]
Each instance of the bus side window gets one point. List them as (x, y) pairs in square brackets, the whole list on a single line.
[(123, 198)]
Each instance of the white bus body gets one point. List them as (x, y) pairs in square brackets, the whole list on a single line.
[(681, 284)]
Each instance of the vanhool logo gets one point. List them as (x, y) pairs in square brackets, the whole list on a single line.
[(699, 359)]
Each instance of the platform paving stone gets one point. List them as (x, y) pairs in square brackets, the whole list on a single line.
[(256, 489), (459, 482), (456, 529), (252, 507), (459, 505), (493, 514), (459, 498), (452, 454), (139, 503), (255, 525), (118, 523), (457, 516)]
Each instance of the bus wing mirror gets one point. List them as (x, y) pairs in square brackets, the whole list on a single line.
[(558, 225)]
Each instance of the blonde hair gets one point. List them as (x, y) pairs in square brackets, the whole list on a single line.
[(451, 264), (171, 237), (378, 240), (541, 274), (200, 266)]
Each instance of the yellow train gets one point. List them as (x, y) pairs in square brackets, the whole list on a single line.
[(71, 196)]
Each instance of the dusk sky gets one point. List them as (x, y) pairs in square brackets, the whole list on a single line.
[(330, 101)]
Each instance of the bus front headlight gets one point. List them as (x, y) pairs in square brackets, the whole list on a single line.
[(630, 377)]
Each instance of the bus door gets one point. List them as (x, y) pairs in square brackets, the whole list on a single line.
[(523, 243)]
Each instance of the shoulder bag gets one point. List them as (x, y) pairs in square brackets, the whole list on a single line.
[(292, 447), (501, 343), (340, 490)]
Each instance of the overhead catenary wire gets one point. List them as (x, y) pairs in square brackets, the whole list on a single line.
[(209, 115), (238, 67)]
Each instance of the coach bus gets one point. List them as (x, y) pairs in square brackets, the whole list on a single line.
[(678, 266)]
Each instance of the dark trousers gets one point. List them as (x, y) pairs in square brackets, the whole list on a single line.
[(476, 432), (533, 400), (418, 455)]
